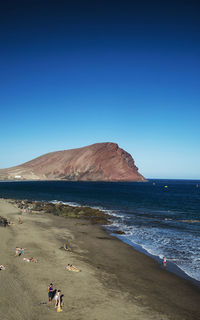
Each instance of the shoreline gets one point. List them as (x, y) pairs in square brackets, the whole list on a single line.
[(171, 266), (97, 216), (116, 281)]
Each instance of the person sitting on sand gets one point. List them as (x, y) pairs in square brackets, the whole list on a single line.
[(66, 247), (70, 267), (2, 267), (19, 221)]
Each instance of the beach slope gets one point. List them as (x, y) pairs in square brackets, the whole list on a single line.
[(115, 281)]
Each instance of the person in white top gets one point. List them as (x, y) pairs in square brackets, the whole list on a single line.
[(56, 298)]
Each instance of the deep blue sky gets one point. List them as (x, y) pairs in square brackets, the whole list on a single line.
[(73, 73)]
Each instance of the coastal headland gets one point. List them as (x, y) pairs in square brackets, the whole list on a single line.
[(97, 162), (115, 282)]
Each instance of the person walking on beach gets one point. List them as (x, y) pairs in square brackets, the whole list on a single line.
[(57, 298), (164, 262), (58, 303), (50, 292)]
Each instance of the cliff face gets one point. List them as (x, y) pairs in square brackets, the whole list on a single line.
[(97, 162)]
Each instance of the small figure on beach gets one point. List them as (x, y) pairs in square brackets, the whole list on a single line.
[(3, 222), (2, 267), (10, 223), (19, 221), (19, 251), (58, 303), (50, 292), (70, 267), (56, 298), (164, 262), (30, 260), (66, 247)]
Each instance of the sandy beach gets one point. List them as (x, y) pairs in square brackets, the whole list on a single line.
[(115, 282)]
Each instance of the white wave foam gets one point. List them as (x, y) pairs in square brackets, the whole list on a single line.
[(73, 204), (154, 241)]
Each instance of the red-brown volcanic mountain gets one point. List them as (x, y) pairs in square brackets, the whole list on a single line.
[(97, 162)]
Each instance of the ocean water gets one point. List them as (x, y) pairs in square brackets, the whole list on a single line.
[(160, 216)]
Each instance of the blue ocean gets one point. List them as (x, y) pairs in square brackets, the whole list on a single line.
[(160, 216)]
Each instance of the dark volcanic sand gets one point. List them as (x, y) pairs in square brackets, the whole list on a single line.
[(116, 282)]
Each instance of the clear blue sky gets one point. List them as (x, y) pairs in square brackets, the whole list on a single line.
[(73, 73)]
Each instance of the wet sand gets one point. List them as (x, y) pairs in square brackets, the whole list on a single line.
[(115, 282)]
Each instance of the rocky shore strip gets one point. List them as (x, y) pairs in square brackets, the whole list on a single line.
[(95, 216), (63, 210)]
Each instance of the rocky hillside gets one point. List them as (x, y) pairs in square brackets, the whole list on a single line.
[(97, 162)]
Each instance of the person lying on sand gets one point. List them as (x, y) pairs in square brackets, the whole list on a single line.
[(19, 251), (30, 260), (70, 267), (2, 267)]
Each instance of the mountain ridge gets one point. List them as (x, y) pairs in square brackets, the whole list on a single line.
[(97, 162)]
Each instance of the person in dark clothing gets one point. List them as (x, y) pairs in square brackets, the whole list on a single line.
[(50, 292)]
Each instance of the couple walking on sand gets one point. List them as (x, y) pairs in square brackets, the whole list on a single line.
[(54, 295)]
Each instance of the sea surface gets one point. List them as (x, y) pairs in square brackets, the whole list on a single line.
[(160, 216)]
